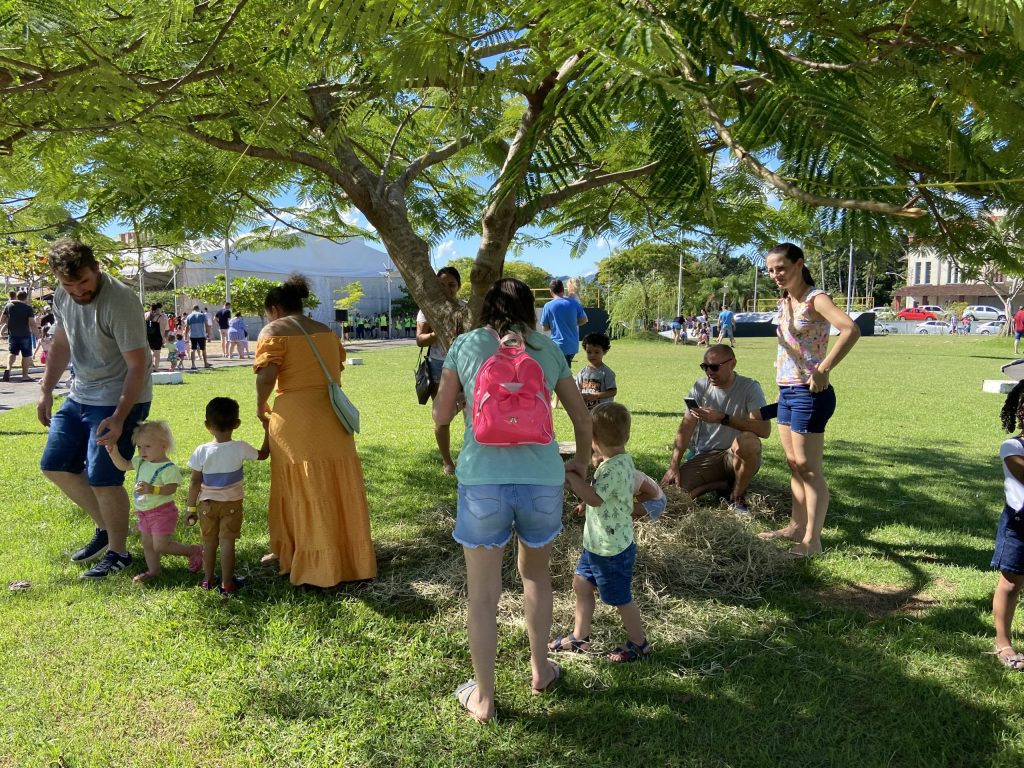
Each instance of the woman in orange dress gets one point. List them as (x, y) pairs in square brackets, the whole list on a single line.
[(318, 517)]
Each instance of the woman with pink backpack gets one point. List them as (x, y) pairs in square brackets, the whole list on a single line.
[(510, 474)]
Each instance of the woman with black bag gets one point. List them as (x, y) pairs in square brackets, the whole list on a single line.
[(451, 282)]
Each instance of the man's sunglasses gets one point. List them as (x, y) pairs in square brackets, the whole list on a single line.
[(713, 367)]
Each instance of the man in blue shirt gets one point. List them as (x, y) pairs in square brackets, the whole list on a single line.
[(726, 323), (562, 318), (197, 323)]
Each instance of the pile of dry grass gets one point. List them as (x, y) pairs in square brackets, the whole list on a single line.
[(693, 567)]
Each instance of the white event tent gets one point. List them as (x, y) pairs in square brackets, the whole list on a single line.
[(328, 265)]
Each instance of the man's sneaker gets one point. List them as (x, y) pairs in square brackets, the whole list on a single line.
[(112, 562), (96, 545)]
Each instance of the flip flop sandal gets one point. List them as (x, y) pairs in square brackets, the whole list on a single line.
[(1014, 662), (463, 694), (557, 669), (145, 576), (770, 535), (569, 644)]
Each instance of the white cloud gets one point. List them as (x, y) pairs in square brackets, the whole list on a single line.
[(444, 253)]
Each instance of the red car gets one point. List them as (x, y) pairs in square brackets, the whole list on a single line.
[(916, 313)]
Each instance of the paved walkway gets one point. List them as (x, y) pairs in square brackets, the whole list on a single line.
[(16, 393)]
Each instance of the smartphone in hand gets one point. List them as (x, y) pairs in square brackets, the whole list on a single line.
[(691, 403)]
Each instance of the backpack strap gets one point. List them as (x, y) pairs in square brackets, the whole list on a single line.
[(161, 468), (316, 351)]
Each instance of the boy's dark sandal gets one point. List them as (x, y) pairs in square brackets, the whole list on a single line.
[(569, 644), (631, 652), (96, 544), (236, 585), (210, 583), (112, 562)]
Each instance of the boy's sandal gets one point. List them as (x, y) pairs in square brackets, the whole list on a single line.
[(209, 584), (630, 652), (1013, 661), (569, 644), (143, 577)]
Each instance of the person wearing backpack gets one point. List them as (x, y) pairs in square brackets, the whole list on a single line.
[(510, 473)]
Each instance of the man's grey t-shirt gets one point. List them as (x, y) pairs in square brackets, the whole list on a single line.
[(18, 315), (99, 333), (740, 399), (197, 322)]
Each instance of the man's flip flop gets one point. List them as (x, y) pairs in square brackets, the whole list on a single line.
[(463, 694), (769, 535), (557, 669)]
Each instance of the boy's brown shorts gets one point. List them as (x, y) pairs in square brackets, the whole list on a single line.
[(220, 519)]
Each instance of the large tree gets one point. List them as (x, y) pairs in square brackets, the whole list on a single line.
[(583, 117)]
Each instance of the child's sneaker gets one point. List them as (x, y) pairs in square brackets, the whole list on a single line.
[(236, 585)]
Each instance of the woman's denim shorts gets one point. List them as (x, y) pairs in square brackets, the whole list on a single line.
[(804, 411), (488, 514), (1009, 554)]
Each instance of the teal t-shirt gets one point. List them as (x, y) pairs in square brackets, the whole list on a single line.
[(609, 527), (516, 464)]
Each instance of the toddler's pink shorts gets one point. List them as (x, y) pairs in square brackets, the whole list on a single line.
[(159, 521)]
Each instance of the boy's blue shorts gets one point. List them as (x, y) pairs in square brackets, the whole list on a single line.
[(613, 576)]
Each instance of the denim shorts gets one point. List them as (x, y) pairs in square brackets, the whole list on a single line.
[(488, 514), (613, 576), (436, 365), (71, 445), (20, 345), (804, 411), (1009, 554), (655, 507)]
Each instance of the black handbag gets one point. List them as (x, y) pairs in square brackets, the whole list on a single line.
[(423, 379)]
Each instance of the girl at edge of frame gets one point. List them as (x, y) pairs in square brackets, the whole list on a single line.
[(529, 482), (806, 398), (1008, 557)]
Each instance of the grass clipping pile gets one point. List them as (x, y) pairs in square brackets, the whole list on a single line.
[(691, 554)]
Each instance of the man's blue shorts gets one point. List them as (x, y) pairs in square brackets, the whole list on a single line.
[(487, 514), (71, 445), (613, 576), (20, 345), (804, 411), (1017, 335)]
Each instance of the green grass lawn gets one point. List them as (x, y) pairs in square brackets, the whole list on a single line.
[(875, 654)]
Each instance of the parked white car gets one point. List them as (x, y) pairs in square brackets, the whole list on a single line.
[(989, 329), (884, 329), (932, 326), (984, 312)]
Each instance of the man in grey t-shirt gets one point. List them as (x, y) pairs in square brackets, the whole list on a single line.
[(99, 328), (726, 428)]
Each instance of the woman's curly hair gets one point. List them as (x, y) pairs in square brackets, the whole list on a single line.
[(1011, 414)]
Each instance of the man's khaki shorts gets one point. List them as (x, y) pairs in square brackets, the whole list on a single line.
[(220, 519), (707, 468)]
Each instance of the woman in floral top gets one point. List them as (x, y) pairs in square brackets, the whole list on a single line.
[(806, 398)]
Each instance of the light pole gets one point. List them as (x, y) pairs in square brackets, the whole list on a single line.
[(389, 275)]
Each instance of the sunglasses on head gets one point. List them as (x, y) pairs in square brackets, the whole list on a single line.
[(713, 367)]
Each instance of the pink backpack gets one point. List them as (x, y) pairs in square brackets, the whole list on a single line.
[(511, 401)]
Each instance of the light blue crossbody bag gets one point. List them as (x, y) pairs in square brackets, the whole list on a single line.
[(347, 413)]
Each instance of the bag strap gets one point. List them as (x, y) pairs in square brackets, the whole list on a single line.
[(161, 468), (316, 351)]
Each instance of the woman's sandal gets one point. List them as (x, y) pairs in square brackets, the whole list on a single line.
[(569, 644), (1014, 661), (554, 681), (630, 652), (463, 694)]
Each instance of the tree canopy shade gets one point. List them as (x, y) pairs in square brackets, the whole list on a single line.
[(585, 117)]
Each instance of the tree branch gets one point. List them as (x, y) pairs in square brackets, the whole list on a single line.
[(421, 163), (791, 190), (525, 213)]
